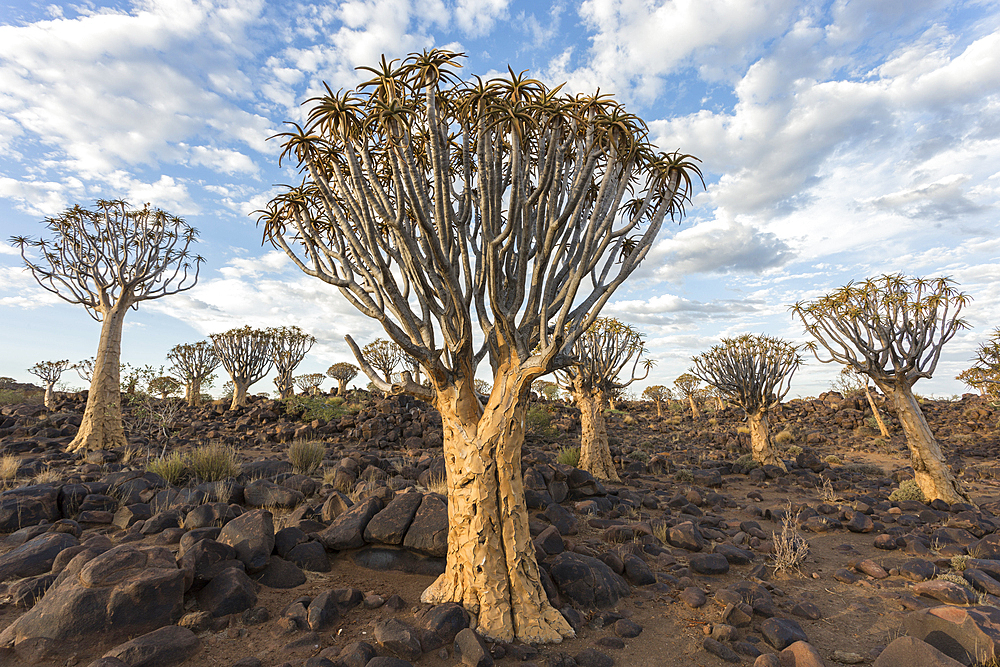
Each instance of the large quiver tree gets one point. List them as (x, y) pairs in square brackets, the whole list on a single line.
[(49, 373), (289, 346), (602, 353), (245, 353), (426, 197), (108, 260), (193, 364), (892, 329), (754, 372), (343, 372)]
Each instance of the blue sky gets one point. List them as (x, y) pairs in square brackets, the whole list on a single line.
[(839, 140)]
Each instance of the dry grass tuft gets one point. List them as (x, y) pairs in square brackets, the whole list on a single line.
[(173, 468), (569, 456), (790, 548), (9, 465), (306, 456), (213, 462)]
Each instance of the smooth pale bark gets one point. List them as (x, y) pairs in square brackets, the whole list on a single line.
[(930, 470), (878, 417), (762, 448), (491, 567), (285, 387), (659, 408), (49, 394), (101, 427), (595, 455), (694, 407), (341, 387), (239, 394)]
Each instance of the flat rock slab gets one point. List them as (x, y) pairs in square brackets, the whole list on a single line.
[(913, 651), (34, 556), (168, 646), (966, 634)]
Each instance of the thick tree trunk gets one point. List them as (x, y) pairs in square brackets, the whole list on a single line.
[(491, 567), (239, 394), (286, 389), (194, 393), (341, 387), (930, 470), (101, 427), (595, 455), (659, 409), (762, 448), (49, 394), (694, 407), (878, 418)]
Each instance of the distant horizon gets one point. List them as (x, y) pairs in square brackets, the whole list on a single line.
[(839, 140)]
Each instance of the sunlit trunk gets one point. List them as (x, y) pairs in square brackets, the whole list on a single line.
[(878, 417), (694, 407), (194, 393), (101, 427), (761, 446), (341, 387), (595, 455), (49, 394), (239, 394), (930, 470), (491, 567), (659, 409)]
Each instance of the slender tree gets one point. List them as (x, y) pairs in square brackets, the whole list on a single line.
[(687, 386), (658, 394), (973, 378), (427, 197), (164, 386), (603, 352), (987, 366), (754, 372), (309, 383), (383, 355), (852, 381), (85, 369), (343, 372), (194, 364), (892, 329), (49, 372), (108, 260), (289, 346), (245, 353)]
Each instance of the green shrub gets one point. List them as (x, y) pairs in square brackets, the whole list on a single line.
[(16, 396), (747, 463), (569, 456), (213, 462), (173, 468), (868, 469), (684, 475), (327, 408), (538, 422), (908, 490), (306, 456)]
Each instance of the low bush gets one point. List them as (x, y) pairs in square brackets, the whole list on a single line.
[(569, 456), (306, 456), (784, 438), (327, 408), (213, 462), (908, 490), (173, 468)]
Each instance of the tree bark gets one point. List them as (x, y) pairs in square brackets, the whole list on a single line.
[(341, 387), (762, 448), (101, 427), (239, 394), (659, 409), (49, 394), (929, 468), (194, 389), (878, 417), (595, 455), (491, 567), (694, 407)]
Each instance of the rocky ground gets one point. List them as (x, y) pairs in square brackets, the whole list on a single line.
[(104, 563)]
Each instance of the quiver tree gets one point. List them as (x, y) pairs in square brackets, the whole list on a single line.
[(754, 372), (383, 355), (85, 369), (309, 383), (108, 260), (658, 394), (892, 329), (193, 363), (973, 378), (49, 373), (343, 372), (852, 381), (426, 197), (687, 386), (289, 346), (245, 353), (547, 389), (604, 351), (163, 386), (988, 366)]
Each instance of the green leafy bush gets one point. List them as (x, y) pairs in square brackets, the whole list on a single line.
[(538, 422), (327, 408), (908, 490), (569, 456)]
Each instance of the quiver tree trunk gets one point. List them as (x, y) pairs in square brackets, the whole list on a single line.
[(659, 408), (694, 407), (101, 426), (341, 387), (929, 468), (595, 455), (49, 394), (878, 417), (194, 393), (491, 567), (761, 446), (239, 394)]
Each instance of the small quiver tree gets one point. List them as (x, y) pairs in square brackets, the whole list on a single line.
[(343, 372), (383, 355), (546, 389), (973, 378), (245, 353), (601, 354), (852, 381), (988, 366), (289, 346), (85, 369), (754, 372), (193, 363), (658, 394), (163, 386), (49, 373), (892, 329), (108, 260), (427, 197), (309, 383), (687, 386)]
